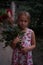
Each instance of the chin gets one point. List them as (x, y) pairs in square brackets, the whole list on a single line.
[(22, 28)]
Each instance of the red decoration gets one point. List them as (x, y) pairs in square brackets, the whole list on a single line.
[(6, 15), (9, 11)]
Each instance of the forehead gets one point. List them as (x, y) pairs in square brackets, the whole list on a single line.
[(23, 16)]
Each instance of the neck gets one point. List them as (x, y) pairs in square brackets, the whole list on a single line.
[(24, 30)]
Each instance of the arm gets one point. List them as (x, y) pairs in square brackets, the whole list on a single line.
[(33, 42)]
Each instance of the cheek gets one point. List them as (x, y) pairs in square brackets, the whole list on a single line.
[(20, 23), (26, 23)]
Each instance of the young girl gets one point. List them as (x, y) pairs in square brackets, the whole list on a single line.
[(24, 56)]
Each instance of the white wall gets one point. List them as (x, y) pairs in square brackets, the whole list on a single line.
[(5, 55)]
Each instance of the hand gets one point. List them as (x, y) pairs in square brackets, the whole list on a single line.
[(25, 50), (16, 40)]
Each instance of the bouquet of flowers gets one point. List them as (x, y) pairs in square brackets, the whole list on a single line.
[(11, 33)]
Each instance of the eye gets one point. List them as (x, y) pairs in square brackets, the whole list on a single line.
[(21, 20), (25, 21)]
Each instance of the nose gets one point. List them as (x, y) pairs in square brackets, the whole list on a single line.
[(23, 23)]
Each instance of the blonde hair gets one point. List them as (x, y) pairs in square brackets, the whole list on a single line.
[(24, 13)]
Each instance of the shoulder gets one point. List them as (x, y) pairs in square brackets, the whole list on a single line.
[(32, 33), (30, 30)]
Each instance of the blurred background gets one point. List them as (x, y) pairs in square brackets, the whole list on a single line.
[(35, 8)]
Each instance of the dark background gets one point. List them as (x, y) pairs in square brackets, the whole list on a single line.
[(35, 8)]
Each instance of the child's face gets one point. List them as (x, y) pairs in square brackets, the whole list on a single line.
[(23, 21)]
